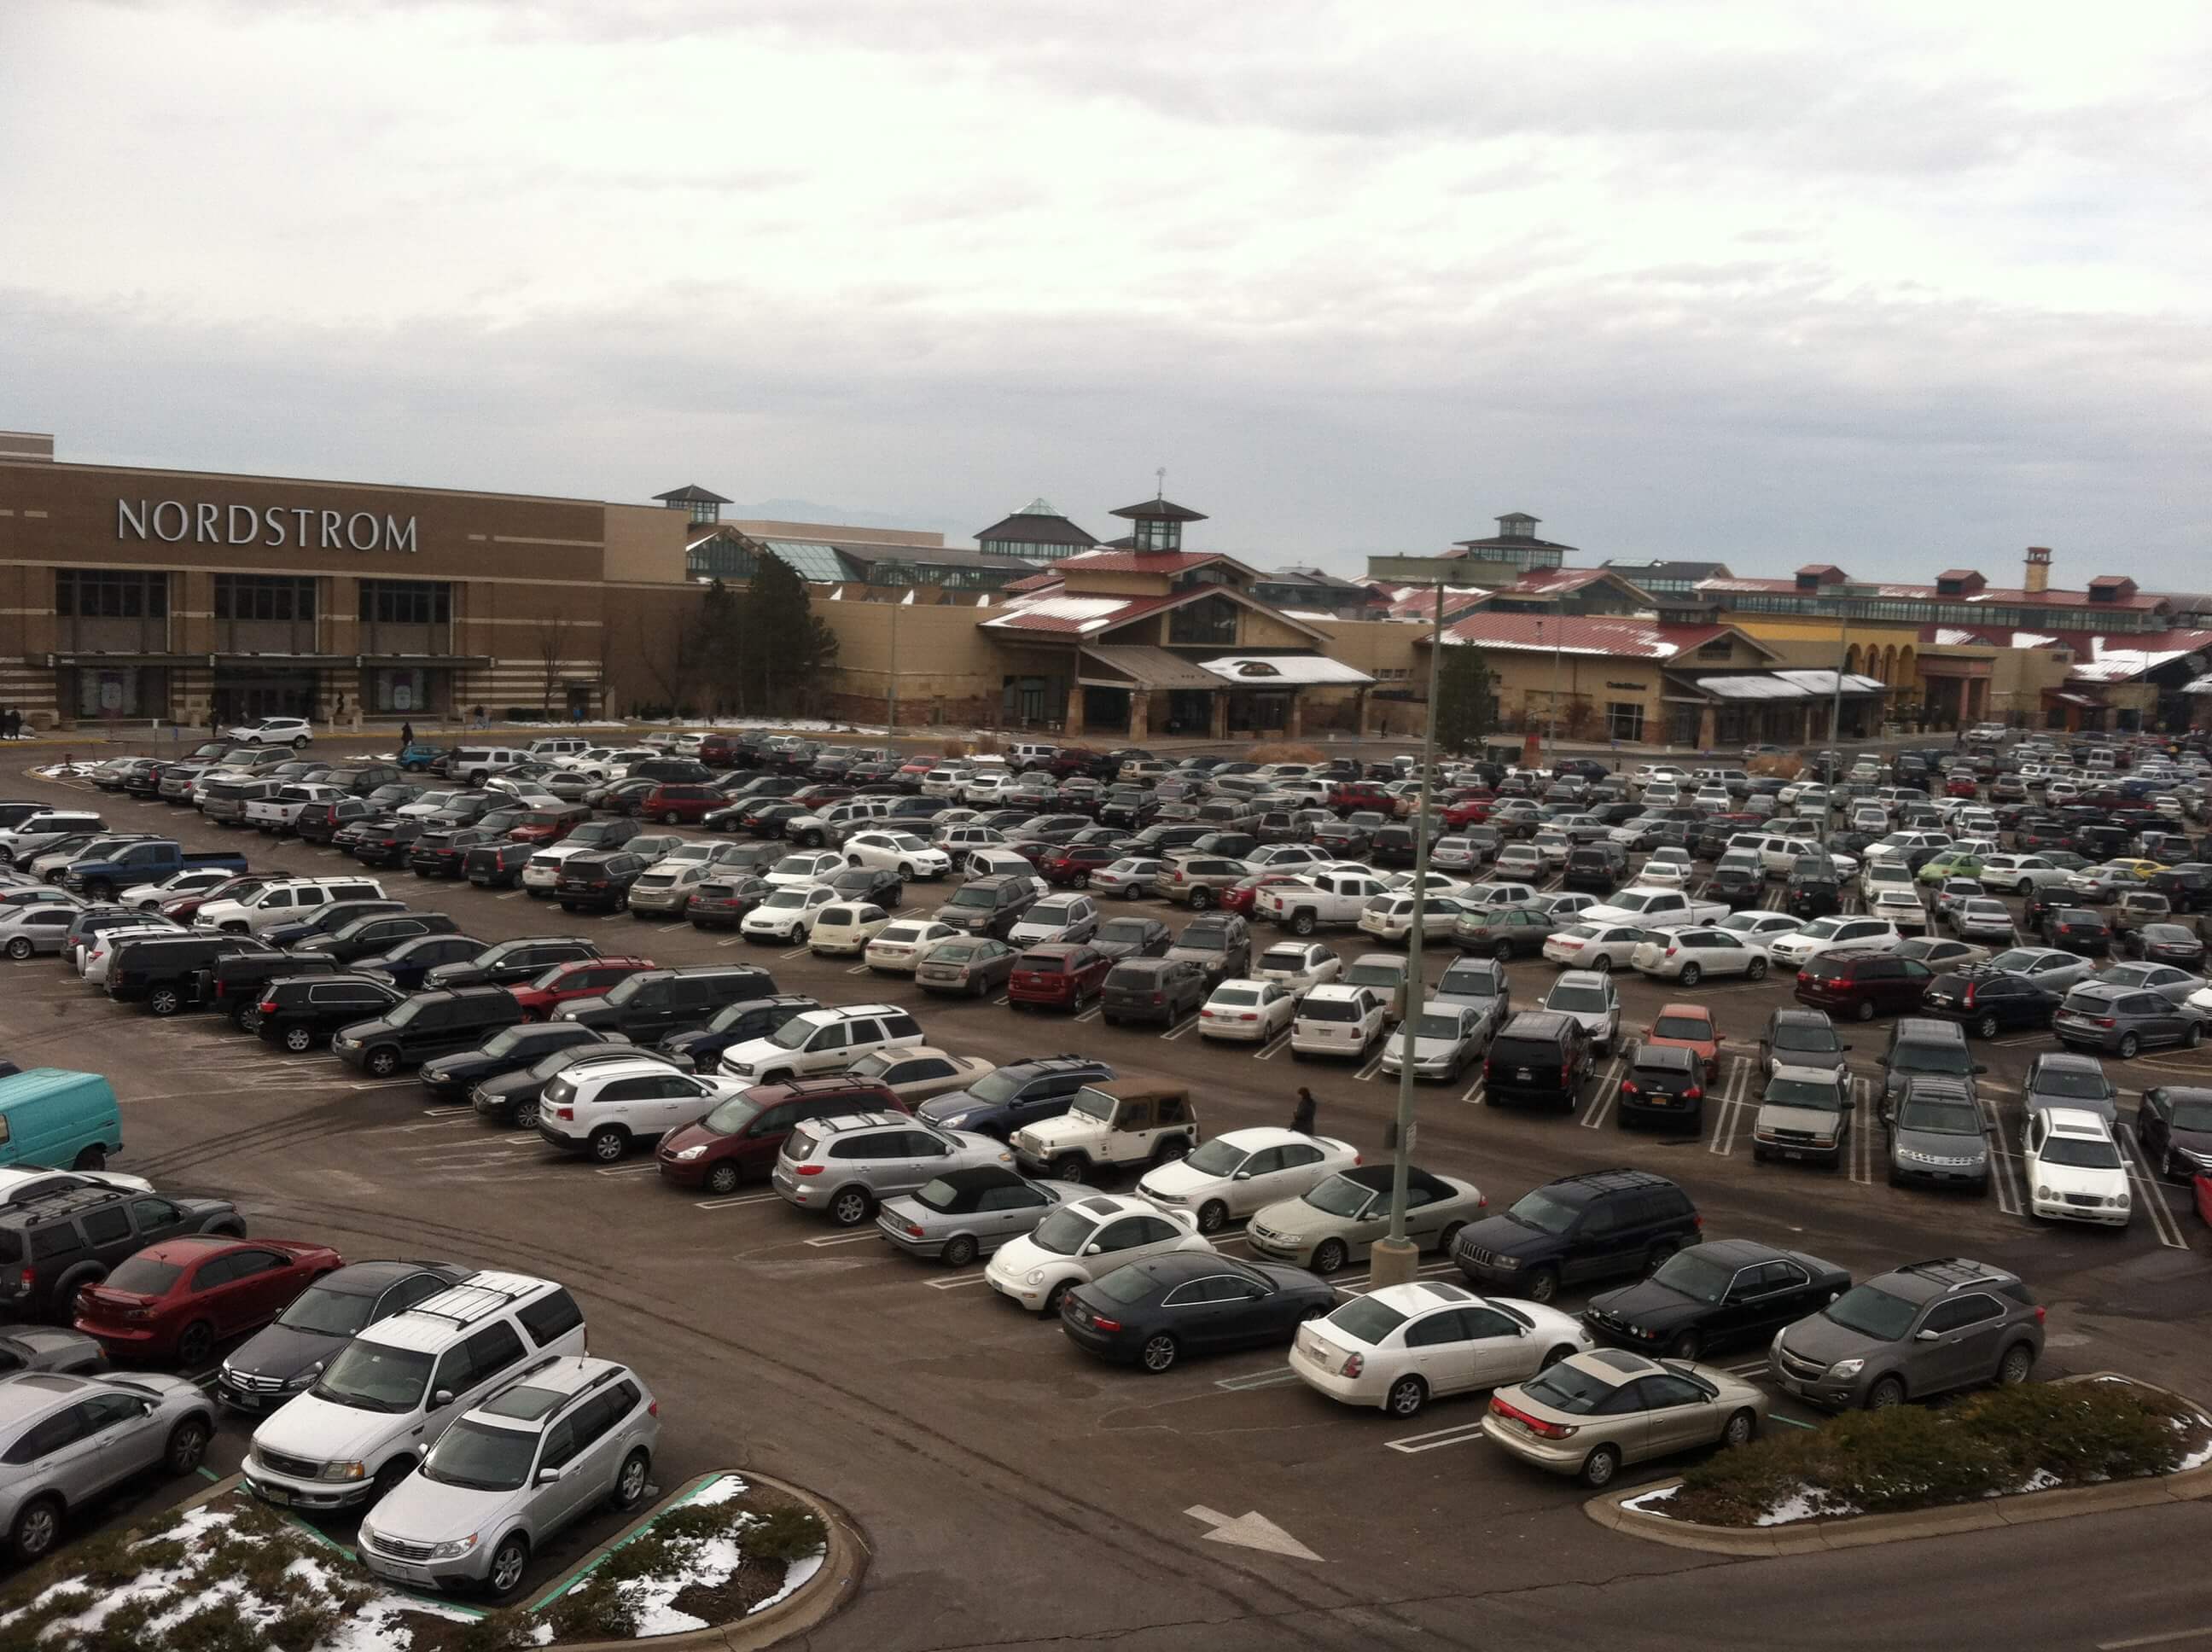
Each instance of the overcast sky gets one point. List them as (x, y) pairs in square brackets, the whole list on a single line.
[(1894, 287)]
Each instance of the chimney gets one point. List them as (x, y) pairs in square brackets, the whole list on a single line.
[(2038, 570)]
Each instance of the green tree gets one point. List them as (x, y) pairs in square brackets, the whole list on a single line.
[(1466, 698), (788, 646)]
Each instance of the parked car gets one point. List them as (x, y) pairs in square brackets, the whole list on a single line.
[(1239, 1171), (1723, 1293), (287, 1356), (1397, 1347), (178, 1298), (142, 1422), (966, 1214), (1591, 1413), (1538, 1058), (1937, 1137), (1869, 1347), (2121, 1020), (1592, 1225)]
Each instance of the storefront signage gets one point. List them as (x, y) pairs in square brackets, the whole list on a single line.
[(173, 521)]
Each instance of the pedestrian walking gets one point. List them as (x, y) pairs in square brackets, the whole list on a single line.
[(1302, 1115), (10, 721), (406, 736)]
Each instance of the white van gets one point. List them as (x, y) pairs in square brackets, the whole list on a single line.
[(477, 763)]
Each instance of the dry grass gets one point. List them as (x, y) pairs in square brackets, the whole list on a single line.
[(1282, 752), (1781, 768)]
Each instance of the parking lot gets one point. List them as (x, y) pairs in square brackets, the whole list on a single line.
[(1007, 1481)]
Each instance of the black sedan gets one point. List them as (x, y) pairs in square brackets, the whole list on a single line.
[(872, 885), (1724, 1291), (2079, 930), (1133, 937), (1151, 1313), (2174, 1124), (1990, 1001), (509, 1050)]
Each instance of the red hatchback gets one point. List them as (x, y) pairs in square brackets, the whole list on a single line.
[(1060, 975), (578, 978), (550, 825), (177, 1299), (673, 802)]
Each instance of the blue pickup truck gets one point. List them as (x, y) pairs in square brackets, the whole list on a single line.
[(148, 861)]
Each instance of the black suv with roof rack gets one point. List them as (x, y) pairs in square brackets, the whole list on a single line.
[(1600, 1224), (53, 1245), (1540, 1057), (1019, 1093)]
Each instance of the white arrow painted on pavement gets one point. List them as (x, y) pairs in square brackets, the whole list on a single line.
[(1250, 1531)]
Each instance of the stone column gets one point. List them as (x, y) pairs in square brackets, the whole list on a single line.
[(1072, 724), (1217, 723), (1296, 726), (1705, 730), (1140, 713)]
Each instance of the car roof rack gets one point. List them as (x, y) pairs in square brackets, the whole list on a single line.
[(477, 1296)]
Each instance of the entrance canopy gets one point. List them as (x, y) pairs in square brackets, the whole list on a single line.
[(1133, 665), (1284, 670)]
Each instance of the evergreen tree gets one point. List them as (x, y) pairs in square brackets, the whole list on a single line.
[(787, 645), (1465, 698)]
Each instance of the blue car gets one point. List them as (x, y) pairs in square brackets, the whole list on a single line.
[(418, 757), (406, 964)]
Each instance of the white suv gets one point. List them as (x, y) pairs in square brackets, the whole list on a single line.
[(1336, 1020), (821, 1041), (283, 902), (293, 731), (384, 1398), (604, 1108)]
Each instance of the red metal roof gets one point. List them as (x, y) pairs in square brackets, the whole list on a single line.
[(1147, 562)]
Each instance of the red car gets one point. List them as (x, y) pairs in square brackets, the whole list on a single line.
[(820, 796), (1349, 795), (674, 802), (1057, 975), (1469, 811), (1073, 863), (719, 750), (1239, 896), (550, 825), (177, 1299), (1862, 985), (741, 1139), (2204, 1198), (1690, 1026), (578, 978), (184, 906), (1962, 786)]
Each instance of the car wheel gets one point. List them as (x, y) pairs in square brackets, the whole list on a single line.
[(1543, 1284), (1502, 951), (1303, 924), (20, 948), (2013, 1370), (1865, 1010), (1056, 1298), (1213, 1215), (1083, 880), (1884, 1393), (631, 1484), (722, 1179), (164, 1001), (609, 1144), (508, 1563), (36, 1526), (92, 1158), (851, 1207), (382, 1063), (1169, 1151), (1158, 1354), (2193, 1037), (958, 1252), (188, 1443), (1600, 1466), (1070, 1169), (1201, 898), (194, 1342), (2024, 888), (1328, 1256), (1656, 1256), (1406, 1397), (1687, 1345), (1986, 1027), (1757, 971), (1741, 1429), (1691, 974), (2129, 1045)]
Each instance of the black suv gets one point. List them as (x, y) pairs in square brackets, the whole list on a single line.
[(598, 882), (236, 986), (406, 964), (1813, 890), (498, 866), (989, 905), (509, 1050), (1019, 1093), (327, 921), (365, 937), (303, 1012), (513, 962), (163, 971), (651, 1004), (443, 852), (1597, 1225), (701, 1048), (427, 1024), (53, 1245), (1540, 1058)]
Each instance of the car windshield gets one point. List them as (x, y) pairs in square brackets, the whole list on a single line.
[(1063, 1232), (370, 1376), (1339, 1196), (1955, 1059), (1123, 929), (1941, 1118), (2084, 1153), (1565, 1388), (1872, 1313), (731, 1115), (786, 898), (481, 1457), (2193, 1114), (1820, 929), (1385, 976), (1804, 1092), (1698, 1277), (1437, 1026), (508, 1040), (1093, 1104), (1195, 939), (1817, 1036), (793, 1033), (328, 1313), (1367, 1319), (796, 865), (1219, 1158), (1575, 999), (1692, 1028), (1540, 1211), (974, 896), (2077, 1083)]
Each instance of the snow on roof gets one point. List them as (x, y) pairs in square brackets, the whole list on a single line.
[(1081, 614), (1265, 669)]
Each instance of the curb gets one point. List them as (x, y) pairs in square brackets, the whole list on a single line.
[(1610, 1510)]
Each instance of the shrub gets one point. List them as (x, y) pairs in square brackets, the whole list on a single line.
[(1284, 752), (785, 1535), (495, 1631), (990, 745), (304, 1623), (595, 1610), (219, 1628)]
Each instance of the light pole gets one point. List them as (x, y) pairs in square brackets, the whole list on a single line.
[(1396, 1259), (1835, 723), (891, 691), (1552, 720)]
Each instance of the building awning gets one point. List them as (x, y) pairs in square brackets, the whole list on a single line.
[(1786, 685), (2065, 698), (96, 658), (437, 662), (1136, 664), (1285, 670)]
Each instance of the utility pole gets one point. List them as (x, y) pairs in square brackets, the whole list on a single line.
[(1552, 737), (1396, 1259), (890, 691), (1835, 723)]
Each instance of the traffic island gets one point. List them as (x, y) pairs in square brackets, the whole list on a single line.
[(732, 1561), (2004, 1457)]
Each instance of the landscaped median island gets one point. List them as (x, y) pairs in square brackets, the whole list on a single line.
[(232, 1575), (2005, 1443)]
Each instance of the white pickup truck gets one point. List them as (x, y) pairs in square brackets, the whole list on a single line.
[(281, 813), (1655, 908), (1318, 898)]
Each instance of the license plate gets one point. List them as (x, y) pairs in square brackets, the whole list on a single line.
[(275, 1494), (1523, 1072)]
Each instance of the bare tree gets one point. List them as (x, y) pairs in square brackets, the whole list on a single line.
[(552, 650)]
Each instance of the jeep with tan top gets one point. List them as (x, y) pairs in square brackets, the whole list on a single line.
[(1108, 1127)]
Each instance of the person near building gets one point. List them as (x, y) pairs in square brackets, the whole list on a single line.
[(1303, 1116), (10, 721), (406, 736)]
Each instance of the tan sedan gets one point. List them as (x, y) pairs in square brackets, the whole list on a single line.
[(1590, 1414)]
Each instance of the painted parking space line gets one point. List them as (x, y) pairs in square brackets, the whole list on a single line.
[(795, 952), (1273, 1376), (2006, 1179), (822, 1242), (958, 1281), (1180, 1028), (1273, 1047), (511, 895), (734, 1201), (857, 970), (645, 1169), (1473, 1095), (1373, 1066), (1862, 1154), (2149, 1193), (1733, 1108), (1090, 1014), (1365, 1283), (1436, 1439), (1609, 1092)]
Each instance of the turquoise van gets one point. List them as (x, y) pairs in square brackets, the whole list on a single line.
[(58, 1120)]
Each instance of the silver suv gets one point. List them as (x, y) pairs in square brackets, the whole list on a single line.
[(1922, 1329), (544, 1451), (848, 1165), (64, 1440)]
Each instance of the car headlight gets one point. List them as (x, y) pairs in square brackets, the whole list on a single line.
[(2043, 1193), (455, 1549), (1505, 1264), (1035, 1276), (348, 1471), (1847, 1368), (305, 1379), (2118, 1201), (689, 1153)]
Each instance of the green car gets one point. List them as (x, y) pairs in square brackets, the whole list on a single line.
[(1951, 866)]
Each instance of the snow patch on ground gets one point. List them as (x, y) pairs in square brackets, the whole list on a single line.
[(720, 1490), (1805, 1503), (1650, 1502), (716, 1561), (795, 1575)]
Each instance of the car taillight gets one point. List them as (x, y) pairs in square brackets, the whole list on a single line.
[(1159, 998), (1694, 1093), (569, 1113), (1566, 1073), (2038, 1316), (1697, 1221), (1536, 1426), (809, 1169), (2105, 1021), (1628, 1087), (267, 1006), (1100, 1322), (1353, 1365), (913, 1230), (25, 1279)]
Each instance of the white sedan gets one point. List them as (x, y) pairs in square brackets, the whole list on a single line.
[(1669, 867), (898, 948), (1298, 967), (1249, 1011), (1689, 954), (145, 897), (788, 914), (1594, 946), (1398, 882), (807, 867), (1902, 906), (1398, 1348), (1236, 1173), (1761, 929), (1082, 1241), (899, 852)]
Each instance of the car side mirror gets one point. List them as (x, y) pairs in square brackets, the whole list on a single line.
[(442, 1397), (547, 1475), (1243, 1176), (1093, 1250), (1925, 1335), (1835, 1296)]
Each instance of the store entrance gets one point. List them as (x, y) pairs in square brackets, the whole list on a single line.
[(245, 696)]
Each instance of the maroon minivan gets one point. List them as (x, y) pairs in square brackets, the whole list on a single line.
[(676, 802), (739, 1141), (1862, 984)]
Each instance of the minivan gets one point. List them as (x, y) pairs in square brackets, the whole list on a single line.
[(53, 1116)]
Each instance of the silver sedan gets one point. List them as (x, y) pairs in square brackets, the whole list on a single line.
[(965, 1214), (40, 927)]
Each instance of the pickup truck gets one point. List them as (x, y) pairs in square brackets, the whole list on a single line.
[(1322, 897), (1107, 1128), (1657, 908), (281, 813), (146, 862)]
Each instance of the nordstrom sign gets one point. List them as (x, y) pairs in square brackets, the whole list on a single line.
[(172, 520)]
